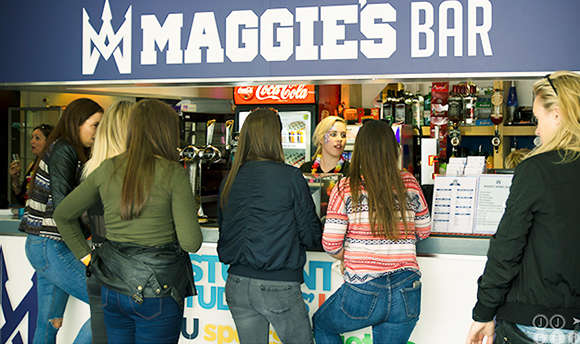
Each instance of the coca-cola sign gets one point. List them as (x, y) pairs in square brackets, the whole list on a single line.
[(275, 94)]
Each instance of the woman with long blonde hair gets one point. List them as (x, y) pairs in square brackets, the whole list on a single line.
[(149, 213), (374, 218), (267, 221), (110, 141), (531, 274)]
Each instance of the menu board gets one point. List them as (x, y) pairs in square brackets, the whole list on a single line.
[(454, 204), (492, 193), (469, 205)]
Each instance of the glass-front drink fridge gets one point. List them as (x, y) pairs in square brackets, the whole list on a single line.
[(296, 105)]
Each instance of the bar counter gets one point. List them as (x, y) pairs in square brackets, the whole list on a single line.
[(431, 246), (449, 266)]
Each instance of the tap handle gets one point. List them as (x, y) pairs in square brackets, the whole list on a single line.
[(229, 127), (210, 129)]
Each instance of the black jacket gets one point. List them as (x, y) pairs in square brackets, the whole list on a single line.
[(268, 223), (144, 271), (533, 265)]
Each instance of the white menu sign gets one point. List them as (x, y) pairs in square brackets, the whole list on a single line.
[(454, 204), (492, 194)]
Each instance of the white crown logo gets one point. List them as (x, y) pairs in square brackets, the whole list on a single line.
[(107, 42)]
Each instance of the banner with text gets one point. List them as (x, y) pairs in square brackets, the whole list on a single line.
[(224, 40)]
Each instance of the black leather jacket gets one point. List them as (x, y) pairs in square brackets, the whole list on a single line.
[(144, 271)]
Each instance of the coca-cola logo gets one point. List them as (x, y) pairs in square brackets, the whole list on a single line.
[(246, 92), (440, 87), (281, 92)]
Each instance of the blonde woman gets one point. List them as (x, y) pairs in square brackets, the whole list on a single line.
[(330, 140), (530, 284), (110, 141)]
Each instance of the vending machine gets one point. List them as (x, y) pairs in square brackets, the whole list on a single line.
[(296, 105)]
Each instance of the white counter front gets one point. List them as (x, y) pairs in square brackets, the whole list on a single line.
[(449, 292)]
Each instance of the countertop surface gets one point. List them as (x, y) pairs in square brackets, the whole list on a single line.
[(433, 245)]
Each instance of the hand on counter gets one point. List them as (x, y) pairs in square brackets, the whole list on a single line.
[(479, 330)]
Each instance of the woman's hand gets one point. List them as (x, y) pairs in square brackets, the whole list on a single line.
[(14, 170), (479, 330)]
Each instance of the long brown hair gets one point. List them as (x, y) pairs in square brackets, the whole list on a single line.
[(260, 139), (153, 133), (67, 128), (375, 166)]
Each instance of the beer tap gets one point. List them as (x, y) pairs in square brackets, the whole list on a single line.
[(496, 117), (194, 157)]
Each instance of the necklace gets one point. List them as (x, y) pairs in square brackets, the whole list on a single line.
[(316, 164)]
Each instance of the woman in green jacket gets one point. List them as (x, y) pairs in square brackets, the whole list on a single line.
[(151, 222)]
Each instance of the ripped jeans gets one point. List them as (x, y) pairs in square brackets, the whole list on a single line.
[(58, 275)]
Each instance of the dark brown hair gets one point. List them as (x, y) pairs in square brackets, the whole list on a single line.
[(45, 129), (374, 167), (153, 133), (67, 128), (260, 139)]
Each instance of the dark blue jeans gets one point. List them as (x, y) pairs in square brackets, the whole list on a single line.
[(157, 320), (390, 304), (59, 274)]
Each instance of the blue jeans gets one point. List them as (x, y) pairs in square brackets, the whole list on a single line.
[(390, 304), (256, 303), (157, 320), (58, 275), (550, 335)]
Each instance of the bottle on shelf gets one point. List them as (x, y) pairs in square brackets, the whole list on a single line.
[(427, 108), (469, 102), (388, 107), (400, 108), (511, 104)]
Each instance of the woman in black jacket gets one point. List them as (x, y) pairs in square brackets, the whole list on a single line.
[(267, 221), (56, 174), (531, 282)]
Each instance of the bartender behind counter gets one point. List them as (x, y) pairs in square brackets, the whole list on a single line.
[(330, 139)]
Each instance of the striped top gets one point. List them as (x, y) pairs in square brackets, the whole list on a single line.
[(368, 257), (57, 175)]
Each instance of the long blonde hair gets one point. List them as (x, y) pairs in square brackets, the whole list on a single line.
[(153, 133), (564, 93), (260, 139), (374, 167), (111, 136), (321, 129)]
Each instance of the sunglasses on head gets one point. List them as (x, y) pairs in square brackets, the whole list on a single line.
[(551, 83)]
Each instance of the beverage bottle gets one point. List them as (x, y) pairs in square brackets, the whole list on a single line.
[(455, 105), (388, 107), (400, 108), (512, 103), (427, 108)]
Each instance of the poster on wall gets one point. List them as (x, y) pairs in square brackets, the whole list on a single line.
[(207, 318)]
